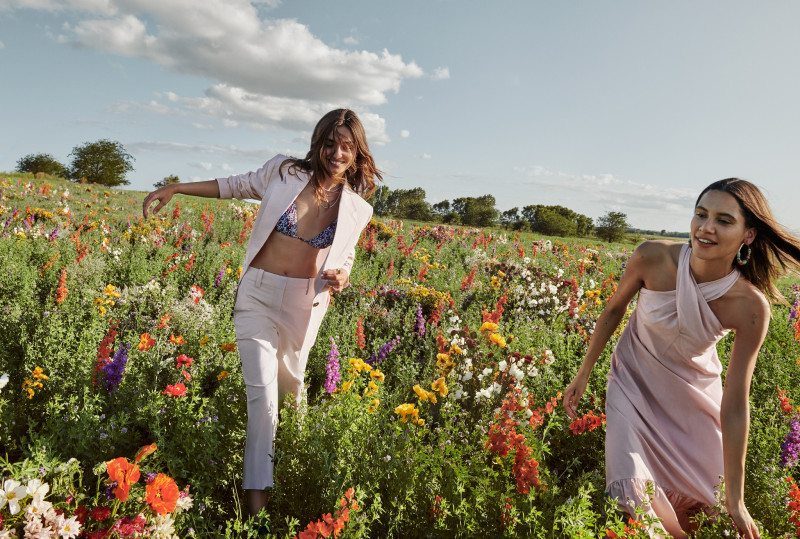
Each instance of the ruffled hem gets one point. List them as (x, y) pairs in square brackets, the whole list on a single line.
[(655, 501)]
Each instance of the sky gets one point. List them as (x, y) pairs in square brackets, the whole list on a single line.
[(628, 106)]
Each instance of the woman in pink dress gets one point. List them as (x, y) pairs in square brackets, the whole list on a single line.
[(673, 432)]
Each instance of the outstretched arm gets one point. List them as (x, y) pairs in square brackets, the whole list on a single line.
[(751, 324), (648, 255), (164, 194)]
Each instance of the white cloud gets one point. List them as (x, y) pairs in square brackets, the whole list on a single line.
[(405, 133), (2, 45), (350, 40), (426, 156), (278, 57), (440, 73)]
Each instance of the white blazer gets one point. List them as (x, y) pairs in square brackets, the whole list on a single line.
[(276, 195)]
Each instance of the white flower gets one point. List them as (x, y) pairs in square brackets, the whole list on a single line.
[(3, 380), (163, 527), (11, 493), (37, 489), (457, 394), (467, 376), (70, 528), (487, 371), (528, 412), (38, 507), (527, 260), (184, 504), (552, 289), (502, 365), (516, 372), (496, 388), (549, 358)]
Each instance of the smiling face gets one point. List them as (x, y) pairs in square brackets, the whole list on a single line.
[(338, 152), (718, 227)]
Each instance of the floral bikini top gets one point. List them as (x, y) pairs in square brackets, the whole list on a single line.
[(287, 225)]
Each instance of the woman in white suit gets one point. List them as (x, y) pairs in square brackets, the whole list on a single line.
[(302, 245)]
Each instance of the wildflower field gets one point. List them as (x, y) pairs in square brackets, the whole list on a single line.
[(434, 387)]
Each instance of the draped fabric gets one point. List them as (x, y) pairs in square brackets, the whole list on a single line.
[(664, 396)]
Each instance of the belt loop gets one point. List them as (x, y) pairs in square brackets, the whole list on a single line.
[(259, 276), (308, 285)]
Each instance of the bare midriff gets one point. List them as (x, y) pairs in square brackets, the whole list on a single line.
[(287, 256)]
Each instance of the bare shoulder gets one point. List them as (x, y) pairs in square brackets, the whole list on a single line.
[(658, 251), (745, 307)]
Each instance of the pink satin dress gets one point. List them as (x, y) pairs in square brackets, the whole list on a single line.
[(663, 401)]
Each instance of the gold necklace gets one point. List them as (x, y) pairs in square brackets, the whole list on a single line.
[(331, 204)]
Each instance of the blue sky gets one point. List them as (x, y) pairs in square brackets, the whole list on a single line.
[(628, 106)]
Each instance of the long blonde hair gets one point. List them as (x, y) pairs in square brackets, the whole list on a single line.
[(775, 251), (362, 173)]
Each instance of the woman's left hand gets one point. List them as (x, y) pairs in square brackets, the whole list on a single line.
[(338, 279), (744, 522)]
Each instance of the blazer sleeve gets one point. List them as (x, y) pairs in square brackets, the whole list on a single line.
[(251, 185), (351, 254)]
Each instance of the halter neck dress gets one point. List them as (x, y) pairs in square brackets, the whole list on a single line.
[(663, 399)]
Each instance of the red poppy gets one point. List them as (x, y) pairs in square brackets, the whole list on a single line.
[(183, 361), (162, 494), (125, 474), (177, 390), (145, 342)]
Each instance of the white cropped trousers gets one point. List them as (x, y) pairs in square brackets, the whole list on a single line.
[(271, 316)]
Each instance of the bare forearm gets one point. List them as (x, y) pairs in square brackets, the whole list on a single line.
[(735, 428), (208, 189), (606, 325)]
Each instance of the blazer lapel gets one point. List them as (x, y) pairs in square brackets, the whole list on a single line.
[(345, 227)]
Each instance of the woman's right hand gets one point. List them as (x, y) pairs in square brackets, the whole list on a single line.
[(573, 394), (163, 195)]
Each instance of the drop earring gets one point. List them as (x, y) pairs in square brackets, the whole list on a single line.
[(739, 259)]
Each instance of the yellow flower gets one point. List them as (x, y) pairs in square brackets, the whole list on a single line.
[(346, 386), (110, 291), (223, 374), (372, 388), (489, 326), (420, 422), (373, 405), (421, 393), (455, 349), (38, 373), (501, 274), (406, 411), (359, 365), (377, 375), (239, 272), (497, 339), (204, 342), (440, 386)]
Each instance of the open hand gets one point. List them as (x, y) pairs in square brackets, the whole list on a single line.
[(572, 396), (744, 522), (163, 195)]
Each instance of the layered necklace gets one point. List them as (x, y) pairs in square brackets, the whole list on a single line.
[(330, 203)]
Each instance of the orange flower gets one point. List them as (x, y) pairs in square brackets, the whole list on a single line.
[(164, 320), (162, 494), (183, 361), (176, 340), (145, 451), (145, 342), (229, 347), (62, 290), (125, 474), (177, 390)]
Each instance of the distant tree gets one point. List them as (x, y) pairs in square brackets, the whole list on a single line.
[(478, 211), (585, 225), (552, 223), (105, 162), (169, 180), (510, 217), (379, 200), (441, 209), (612, 226), (42, 162), (409, 204)]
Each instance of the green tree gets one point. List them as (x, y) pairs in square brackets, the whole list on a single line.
[(612, 226), (41, 162), (441, 209), (380, 200), (105, 162), (409, 204), (169, 180), (510, 217), (478, 211)]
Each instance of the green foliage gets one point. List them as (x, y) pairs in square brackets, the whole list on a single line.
[(168, 180), (434, 479), (104, 162), (556, 221), (41, 163), (612, 226), (478, 211)]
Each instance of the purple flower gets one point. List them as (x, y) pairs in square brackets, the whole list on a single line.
[(54, 234), (419, 327), (383, 352), (116, 368), (149, 477), (332, 368), (218, 280), (109, 492), (790, 448)]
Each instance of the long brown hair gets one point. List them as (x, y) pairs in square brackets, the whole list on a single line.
[(775, 251), (362, 173)]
